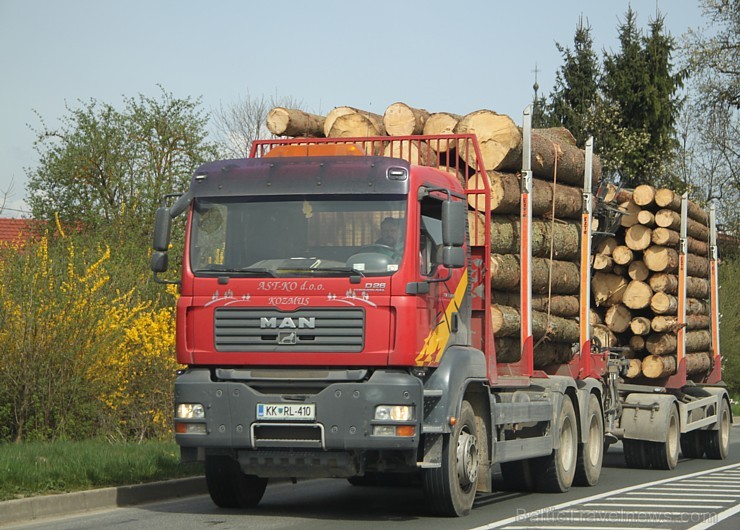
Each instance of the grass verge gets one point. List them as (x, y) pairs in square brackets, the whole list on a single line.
[(38, 468)]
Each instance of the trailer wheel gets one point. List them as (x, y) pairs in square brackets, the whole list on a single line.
[(450, 489), (664, 455), (554, 473), (591, 452), (692, 444), (718, 442), (635, 453), (229, 487)]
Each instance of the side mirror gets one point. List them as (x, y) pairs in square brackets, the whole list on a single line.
[(159, 262), (162, 229), (453, 257), (454, 216)]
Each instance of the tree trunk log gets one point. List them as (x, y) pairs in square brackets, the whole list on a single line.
[(631, 213), (634, 369), (637, 270), (671, 200), (665, 259), (506, 322), (668, 283), (602, 263), (623, 255), (646, 218), (640, 326), (559, 305), (499, 139), (643, 195), (294, 122), (667, 323), (666, 304), (637, 295), (670, 238), (545, 353), (608, 289), (669, 219), (637, 237), (698, 363), (400, 119), (442, 123), (505, 232), (607, 246), (665, 343), (637, 343), (655, 366), (505, 275), (506, 192), (415, 152), (604, 335), (349, 122), (618, 318)]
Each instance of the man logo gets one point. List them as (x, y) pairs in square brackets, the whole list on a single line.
[(288, 323)]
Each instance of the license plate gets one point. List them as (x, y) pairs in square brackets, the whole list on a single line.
[(283, 411)]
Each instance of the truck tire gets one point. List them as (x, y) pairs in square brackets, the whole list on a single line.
[(717, 442), (664, 455), (554, 473), (450, 489), (692, 444), (591, 452), (229, 487), (635, 453)]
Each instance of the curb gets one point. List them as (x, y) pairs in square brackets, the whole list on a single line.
[(31, 508)]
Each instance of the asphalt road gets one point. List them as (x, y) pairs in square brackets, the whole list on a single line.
[(697, 494)]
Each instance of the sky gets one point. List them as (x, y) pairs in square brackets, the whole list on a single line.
[(453, 56)]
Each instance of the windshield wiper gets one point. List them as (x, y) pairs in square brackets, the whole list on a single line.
[(346, 270), (243, 270)]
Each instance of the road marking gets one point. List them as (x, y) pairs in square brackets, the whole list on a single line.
[(523, 517), (633, 505), (673, 494), (717, 518)]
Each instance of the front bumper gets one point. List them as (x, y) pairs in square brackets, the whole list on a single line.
[(344, 414)]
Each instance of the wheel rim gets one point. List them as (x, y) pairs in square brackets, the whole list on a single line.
[(567, 446), (467, 460)]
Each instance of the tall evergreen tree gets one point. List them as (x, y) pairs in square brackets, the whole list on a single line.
[(576, 85)]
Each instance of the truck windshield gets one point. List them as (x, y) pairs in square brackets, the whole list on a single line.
[(298, 236)]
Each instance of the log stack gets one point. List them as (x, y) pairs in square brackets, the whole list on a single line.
[(634, 282), (639, 300)]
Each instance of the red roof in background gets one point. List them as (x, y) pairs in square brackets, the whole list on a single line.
[(20, 231)]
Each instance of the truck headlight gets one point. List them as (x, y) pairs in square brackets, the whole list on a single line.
[(190, 411), (394, 412)]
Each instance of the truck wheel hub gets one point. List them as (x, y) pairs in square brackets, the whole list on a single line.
[(467, 459)]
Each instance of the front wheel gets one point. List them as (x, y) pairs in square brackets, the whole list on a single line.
[(229, 487), (450, 489)]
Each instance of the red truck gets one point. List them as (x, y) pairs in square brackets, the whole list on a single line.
[(319, 345)]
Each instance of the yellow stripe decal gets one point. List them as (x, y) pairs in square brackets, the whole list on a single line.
[(436, 342)]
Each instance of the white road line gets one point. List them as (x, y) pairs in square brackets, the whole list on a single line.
[(663, 506), (518, 518), (721, 516), (528, 527), (684, 494), (682, 499), (723, 490)]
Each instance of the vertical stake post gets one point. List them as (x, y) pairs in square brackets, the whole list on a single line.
[(525, 283), (586, 221)]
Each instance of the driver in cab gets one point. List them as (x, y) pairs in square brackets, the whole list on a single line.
[(390, 232)]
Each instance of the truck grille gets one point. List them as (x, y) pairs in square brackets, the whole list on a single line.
[(314, 330)]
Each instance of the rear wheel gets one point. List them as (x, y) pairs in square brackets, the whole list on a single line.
[(692, 444), (554, 473), (635, 454), (450, 489), (591, 452), (664, 455), (229, 487), (718, 442)]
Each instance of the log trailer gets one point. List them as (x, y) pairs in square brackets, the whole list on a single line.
[(312, 349)]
